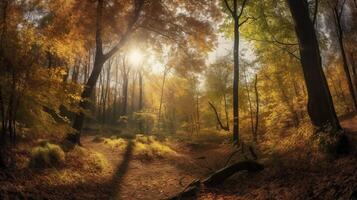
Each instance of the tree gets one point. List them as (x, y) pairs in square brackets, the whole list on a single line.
[(337, 7), (218, 78), (320, 105), (100, 59), (236, 14), (165, 73), (153, 20)]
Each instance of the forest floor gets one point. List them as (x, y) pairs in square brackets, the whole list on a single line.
[(132, 171)]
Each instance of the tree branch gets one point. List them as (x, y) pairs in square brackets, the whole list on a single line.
[(242, 8), (137, 11), (228, 7), (218, 119)]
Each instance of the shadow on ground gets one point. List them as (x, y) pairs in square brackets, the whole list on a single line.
[(121, 170)]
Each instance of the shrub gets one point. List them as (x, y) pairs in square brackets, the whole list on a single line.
[(116, 143), (47, 155), (148, 148), (98, 161)]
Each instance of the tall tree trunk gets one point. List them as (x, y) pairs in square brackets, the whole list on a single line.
[(141, 99), (255, 135), (198, 125), (340, 35), (236, 83), (99, 60), (236, 15), (320, 106), (114, 116), (166, 70), (133, 87), (106, 95), (249, 103), (226, 110), (125, 96)]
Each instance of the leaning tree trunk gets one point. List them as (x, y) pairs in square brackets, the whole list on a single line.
[(99, 61), (320, 105), (84, 104)]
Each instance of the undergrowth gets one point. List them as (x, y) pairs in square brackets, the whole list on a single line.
[(47, 155)]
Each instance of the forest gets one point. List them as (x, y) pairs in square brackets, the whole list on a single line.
[(178, 99)]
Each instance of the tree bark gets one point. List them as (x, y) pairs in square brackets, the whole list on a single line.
[(249, 103), (218, 178), (236, 15), (99, 61), (221, 175), (166, 70), (255, 134), (141, 99), (198, 125), (236, 82), (340, 35), (320, 106)]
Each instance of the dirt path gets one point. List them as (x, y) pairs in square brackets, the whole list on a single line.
[(133, 178)]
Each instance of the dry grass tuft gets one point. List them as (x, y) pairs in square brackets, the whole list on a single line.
[(47, 155)]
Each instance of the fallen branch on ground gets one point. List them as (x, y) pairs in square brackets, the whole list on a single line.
[(221, 175), (218, 177)]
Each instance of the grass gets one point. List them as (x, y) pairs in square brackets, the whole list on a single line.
[(87, 160), (116, 142), (47, 155), (149, 147), (145, 147)]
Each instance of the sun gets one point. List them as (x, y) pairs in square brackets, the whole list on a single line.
[(135, 57)]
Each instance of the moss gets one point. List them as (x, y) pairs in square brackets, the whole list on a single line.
[(47, 155)]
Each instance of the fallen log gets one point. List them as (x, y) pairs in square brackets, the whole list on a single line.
[(218, 177), (189, 191), (221, 175)]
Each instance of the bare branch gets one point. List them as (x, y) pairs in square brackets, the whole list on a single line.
[(228, 7), (242, 8), (218, 119)]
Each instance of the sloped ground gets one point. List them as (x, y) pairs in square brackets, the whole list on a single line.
[(293, 176), (135, 172)]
